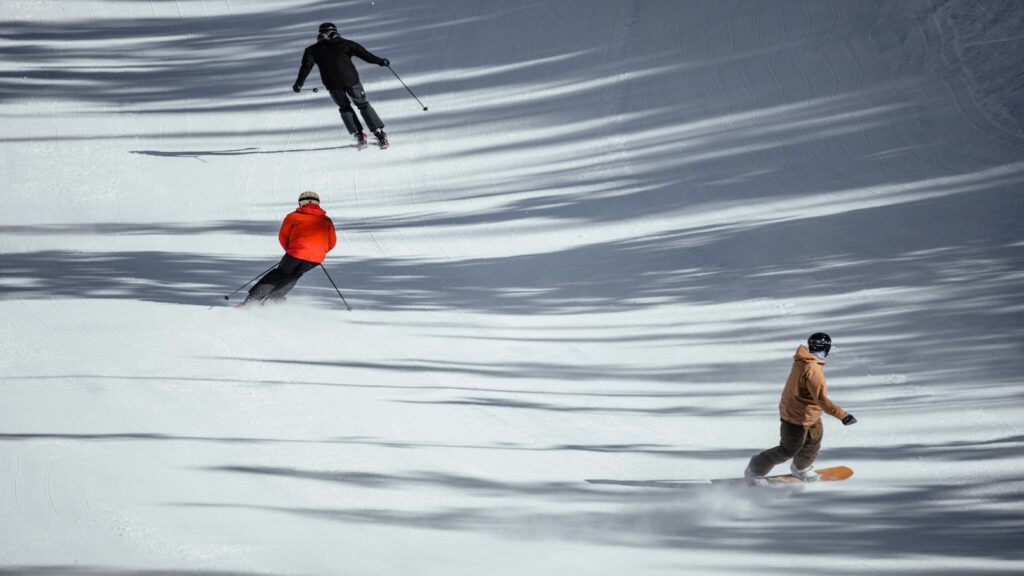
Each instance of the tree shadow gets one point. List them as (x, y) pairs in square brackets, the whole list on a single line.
[(77, 570), (248, 227), (915, 520), (146, 276), (199, 154)]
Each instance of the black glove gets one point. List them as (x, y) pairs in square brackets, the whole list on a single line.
[(385, 62), (296, 87), (849, 420)]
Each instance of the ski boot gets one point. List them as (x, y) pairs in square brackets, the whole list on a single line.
[(382, 138)]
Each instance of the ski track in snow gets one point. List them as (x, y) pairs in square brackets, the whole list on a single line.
[(591, 259)]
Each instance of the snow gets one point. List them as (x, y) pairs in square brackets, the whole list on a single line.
[(591, 259)]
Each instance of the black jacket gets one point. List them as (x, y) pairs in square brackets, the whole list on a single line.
[(333, 57)]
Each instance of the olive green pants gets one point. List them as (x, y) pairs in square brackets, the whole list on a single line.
[(798, 442)]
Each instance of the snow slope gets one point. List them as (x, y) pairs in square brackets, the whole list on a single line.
[(590, 260)]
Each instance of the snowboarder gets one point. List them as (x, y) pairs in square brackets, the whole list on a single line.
[(804, 398), (306, 235), (332, 55)]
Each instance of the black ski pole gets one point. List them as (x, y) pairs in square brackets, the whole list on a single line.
[(260, 275), (347, 307), (406, 87)]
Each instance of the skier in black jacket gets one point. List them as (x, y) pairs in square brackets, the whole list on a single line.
[(332, 55)]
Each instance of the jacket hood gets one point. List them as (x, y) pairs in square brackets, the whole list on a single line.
[(311, 208), (804, 355)]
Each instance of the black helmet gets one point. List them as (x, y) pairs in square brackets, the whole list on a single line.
[(819, 342), (327, 27)]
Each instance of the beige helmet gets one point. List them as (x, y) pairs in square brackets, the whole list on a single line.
[(307, 197)]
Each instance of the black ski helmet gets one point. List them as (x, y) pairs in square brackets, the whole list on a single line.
[(819, 342), (327, 27)]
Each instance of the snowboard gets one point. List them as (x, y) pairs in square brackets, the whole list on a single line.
[(831, 474)]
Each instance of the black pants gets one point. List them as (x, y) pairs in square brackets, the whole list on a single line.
[(357, 95), (798, 442), (279, 281)]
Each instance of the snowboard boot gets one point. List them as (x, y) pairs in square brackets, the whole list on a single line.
[(382, 138), (808, 474), (754, 479)]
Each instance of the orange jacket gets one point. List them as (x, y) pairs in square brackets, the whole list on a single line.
[(805, 396), (308, 234)]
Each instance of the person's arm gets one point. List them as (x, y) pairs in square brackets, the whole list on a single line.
[(816, 390), (304, 69), (367, 56), (332, 237), (284, 235)]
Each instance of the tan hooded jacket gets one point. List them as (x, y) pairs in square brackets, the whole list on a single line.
[(805, 396)]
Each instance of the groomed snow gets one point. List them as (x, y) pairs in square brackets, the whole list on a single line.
[(591, 259)]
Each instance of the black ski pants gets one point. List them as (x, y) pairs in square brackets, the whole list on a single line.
[(355, 94), (798, 442), (279, 281)]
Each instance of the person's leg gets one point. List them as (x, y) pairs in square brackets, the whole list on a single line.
[(791, 440), (288, 282), (348, 115), (805, 457), (358, 96), (262, 289)]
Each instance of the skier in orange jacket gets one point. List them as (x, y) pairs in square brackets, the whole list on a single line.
[(306, 235)]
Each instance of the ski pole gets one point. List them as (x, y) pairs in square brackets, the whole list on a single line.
[(347, 307), (406, 87), (260, 275)]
